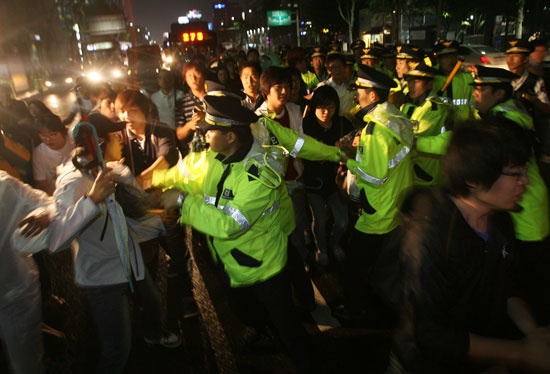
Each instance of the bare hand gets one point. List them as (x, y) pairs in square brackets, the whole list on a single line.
[(340, 179), (530, 98), (35, 224), (145, 180), (536, 351), (198, 116), (104, 185)]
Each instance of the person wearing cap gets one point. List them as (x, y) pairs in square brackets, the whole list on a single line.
[(530, 90), (296, 58), (408, 57), (318, 64), (237, 205), (357, 47), (383, 169), (428, 113), (350, 67), (336, 66), (459, 92), (371, 57), (493, 99), (83, 221)]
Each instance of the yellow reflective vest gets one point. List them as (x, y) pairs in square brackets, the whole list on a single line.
[(383, 168), (297, 145), (428, 120), (459, 95), (237, 204), (310, 79), (532, 223)]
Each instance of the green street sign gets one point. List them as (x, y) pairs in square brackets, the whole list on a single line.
[(279, 18)]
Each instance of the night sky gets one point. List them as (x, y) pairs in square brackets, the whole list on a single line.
[(158, 15)]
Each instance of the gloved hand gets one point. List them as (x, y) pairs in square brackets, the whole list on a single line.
[(172, 199)]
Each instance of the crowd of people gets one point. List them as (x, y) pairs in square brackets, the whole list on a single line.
[(426, 183)]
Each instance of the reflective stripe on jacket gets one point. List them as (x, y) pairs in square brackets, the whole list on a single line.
[(383, 167)]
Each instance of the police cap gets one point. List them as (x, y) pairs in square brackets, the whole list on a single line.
[(375, 51), (519, 46), (358, 44), (422, 71), (368, 77), (223, 112), (409, 52), (218, 89), (484, 76), (443, 47), (317, 52)]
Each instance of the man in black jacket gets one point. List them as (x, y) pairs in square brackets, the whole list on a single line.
[(459, 292)]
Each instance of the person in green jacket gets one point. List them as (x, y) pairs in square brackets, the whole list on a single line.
[(408, 57), (459, 92), (239, 211), (493, 100), (428, 114), (384, 173)]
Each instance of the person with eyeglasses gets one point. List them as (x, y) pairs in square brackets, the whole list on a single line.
[(55, 150), (493, 100), (460, 304)]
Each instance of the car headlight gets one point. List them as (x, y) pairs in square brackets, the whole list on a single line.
[(94, 76), (117, 73), (169, 60), (48, 83), (68, 80)]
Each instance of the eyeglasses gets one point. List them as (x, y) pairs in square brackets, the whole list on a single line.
[(516, 174), (50, 135)]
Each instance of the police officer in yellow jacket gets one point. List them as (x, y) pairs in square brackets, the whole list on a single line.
[(459, 92), (238, 209), (408, 57), (428, 114), (493, 100), (384, 173)]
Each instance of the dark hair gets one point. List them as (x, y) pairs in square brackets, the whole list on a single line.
[(335, 57), (50, 122), (243, 133), (479, 150), (201, 69), (132, 97), (323, 96), (507, 87), (255, 65), (252, 51), (44, 110), (292, 71), (107, 93), (380, 93), (295, 55), (274, 75)]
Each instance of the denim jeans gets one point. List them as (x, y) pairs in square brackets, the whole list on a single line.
[(339, 209), (111, 314), (20, 323)]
